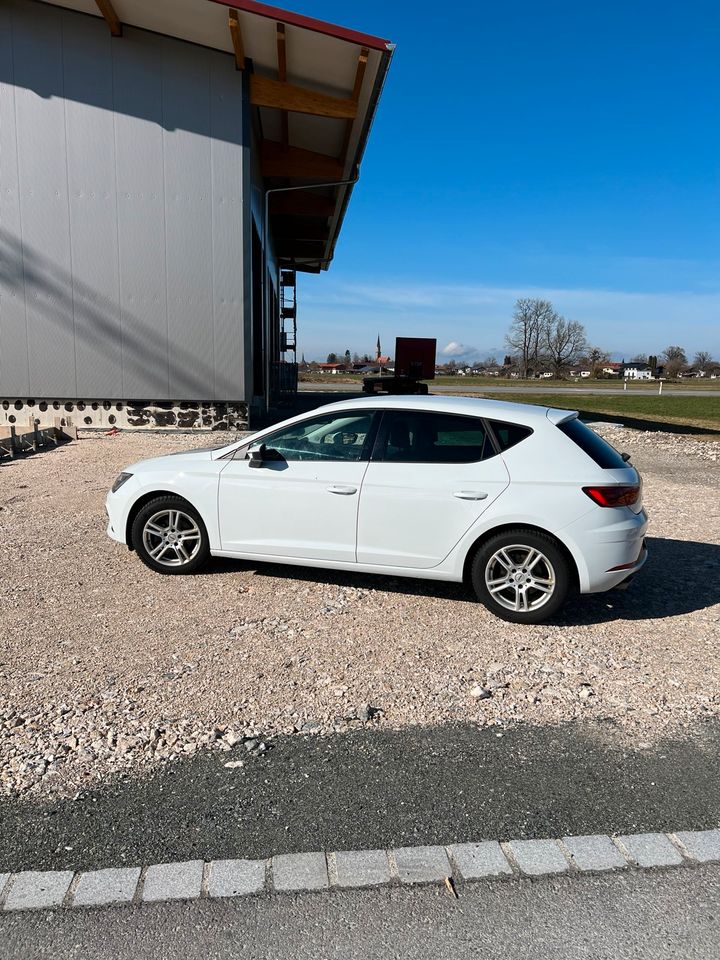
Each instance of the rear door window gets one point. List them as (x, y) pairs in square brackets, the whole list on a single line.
[(509, 434), (420, 437), (599, 450)]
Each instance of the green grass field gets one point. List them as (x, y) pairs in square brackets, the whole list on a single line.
[(712, 386), (701, 414)]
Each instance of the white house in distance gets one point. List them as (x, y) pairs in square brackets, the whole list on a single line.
[(637, 371)]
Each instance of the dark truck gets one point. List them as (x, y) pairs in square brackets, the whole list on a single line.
[(414, 362)]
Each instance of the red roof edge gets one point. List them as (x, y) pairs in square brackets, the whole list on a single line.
[(308, 23)]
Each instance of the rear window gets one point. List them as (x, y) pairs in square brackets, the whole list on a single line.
[(594, 446), (508, 434)]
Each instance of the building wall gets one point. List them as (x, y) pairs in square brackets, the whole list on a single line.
[(122, 232)]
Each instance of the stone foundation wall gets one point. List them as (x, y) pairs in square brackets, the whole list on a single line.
[(125, 414)]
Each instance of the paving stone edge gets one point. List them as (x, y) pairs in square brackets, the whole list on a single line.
[(450, 865)]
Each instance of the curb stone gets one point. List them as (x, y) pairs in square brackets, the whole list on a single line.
[(356, 869)]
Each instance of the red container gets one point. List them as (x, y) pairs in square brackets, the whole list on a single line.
[(415, 357)]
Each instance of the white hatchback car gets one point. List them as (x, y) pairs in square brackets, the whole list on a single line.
[(524, 502)]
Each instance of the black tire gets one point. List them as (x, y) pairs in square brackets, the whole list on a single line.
[(190, 536), (541, 589)]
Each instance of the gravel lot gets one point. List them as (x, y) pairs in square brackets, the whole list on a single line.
[(108, 668)]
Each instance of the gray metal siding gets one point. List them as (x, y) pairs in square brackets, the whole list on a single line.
[(121, 267), (14, 371)]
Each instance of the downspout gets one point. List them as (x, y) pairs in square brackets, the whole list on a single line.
[(265, 284)]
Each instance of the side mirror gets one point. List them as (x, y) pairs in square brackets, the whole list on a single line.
[(261, 454), (625, 456), (256, 455)]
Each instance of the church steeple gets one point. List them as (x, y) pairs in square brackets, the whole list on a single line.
[(379, 351)]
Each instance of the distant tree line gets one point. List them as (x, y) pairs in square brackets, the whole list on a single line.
[(542, 340)]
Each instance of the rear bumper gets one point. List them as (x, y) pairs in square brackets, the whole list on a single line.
[(608, 546)]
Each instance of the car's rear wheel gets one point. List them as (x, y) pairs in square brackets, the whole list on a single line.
[(170, 537), (521, 575)]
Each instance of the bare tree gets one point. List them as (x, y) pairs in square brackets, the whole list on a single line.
[(702, 360), (565, 341), (527, 331), (675, 360), (596, 360)]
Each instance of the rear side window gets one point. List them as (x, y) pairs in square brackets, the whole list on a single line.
[(509, 434), (418, 437), (594, 446)]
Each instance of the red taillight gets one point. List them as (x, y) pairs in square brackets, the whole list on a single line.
[(615, 496)]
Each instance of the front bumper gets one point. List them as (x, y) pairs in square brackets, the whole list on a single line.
[(116, 518)]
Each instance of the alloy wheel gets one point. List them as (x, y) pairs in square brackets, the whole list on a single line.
[(171, 537), (520, 578)]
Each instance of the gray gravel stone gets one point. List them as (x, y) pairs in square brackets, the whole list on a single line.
[(362, 868), (121, 730), (99, 887), (475, 860), (173, 881), (236, 878), (651, 850), (32, 889), (537, 857), (702, 845), (300, 871), (595, 852), (422, 864)]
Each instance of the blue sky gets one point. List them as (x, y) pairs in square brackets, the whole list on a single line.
[(560, 149)]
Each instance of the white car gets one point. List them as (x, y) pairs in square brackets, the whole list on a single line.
[(525, 503)]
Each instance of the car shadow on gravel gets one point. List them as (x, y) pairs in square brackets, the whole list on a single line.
[(372, 788), (680, 576)]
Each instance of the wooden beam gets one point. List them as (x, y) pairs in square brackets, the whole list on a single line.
[(290, 249), (299, 228), (302, 203), (357, 87), (360, 73), (111, 18), (296, 162), (266, 92), (282, 77), (237, 40)]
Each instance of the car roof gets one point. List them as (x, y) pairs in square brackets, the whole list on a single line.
[(469, 406)]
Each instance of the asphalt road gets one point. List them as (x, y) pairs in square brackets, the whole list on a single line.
[(549, 387), (377, 788), (654, 915)]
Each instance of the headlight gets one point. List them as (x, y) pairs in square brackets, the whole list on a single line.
[(122, 477)]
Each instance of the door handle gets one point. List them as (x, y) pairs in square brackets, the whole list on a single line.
[(470, 495), (342, 489)]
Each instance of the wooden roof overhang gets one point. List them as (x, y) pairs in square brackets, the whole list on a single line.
[(314, 87)]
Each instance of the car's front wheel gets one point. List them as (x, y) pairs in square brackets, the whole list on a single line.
[(521, 575), (169, 536)]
